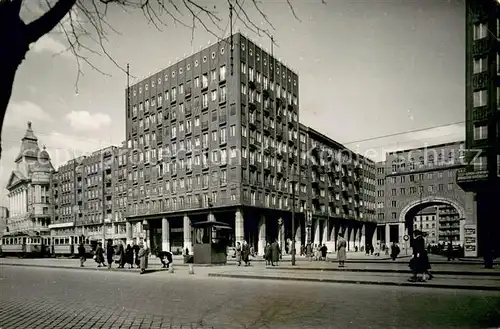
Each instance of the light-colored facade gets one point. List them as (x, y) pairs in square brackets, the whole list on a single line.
[(29, 189), (4, 216)]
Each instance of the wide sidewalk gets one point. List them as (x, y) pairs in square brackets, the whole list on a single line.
[(394, 274)]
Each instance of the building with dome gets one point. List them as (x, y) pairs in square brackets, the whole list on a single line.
[(29, 189)]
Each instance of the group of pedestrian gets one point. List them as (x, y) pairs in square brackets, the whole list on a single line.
[(136, 254), (272, 253), (242, 253)]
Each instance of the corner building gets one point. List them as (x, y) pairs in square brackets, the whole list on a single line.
[(215, 137), (482, 112)]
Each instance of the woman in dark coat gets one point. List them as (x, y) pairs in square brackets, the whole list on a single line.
[(419, 264), (275, 253), (267, 253), (121, 254), (99, 255), (129, 256), (136, 254), (110, 251)]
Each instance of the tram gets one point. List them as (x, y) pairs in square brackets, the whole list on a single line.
[(67, 246), (22, 245)]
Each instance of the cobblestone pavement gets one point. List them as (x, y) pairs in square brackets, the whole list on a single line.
[(54, 298)]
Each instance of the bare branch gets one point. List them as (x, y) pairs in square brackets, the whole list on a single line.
[(43, 25), (293, 10)]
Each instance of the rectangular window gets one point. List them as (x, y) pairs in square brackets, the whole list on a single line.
[(480, 65), (222, 73), (480, 31), (480, 98), (480, 132)]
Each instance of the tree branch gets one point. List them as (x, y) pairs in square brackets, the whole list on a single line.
[(46, 23)]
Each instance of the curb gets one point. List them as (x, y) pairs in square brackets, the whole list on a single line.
[(379, 283), (441, 272)]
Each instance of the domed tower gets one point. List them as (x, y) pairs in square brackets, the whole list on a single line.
[(29, 188)]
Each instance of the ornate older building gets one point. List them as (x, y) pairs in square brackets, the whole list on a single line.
[(29, 189)]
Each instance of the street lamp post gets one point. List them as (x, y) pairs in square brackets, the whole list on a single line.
[(293, 220), (103, 206)]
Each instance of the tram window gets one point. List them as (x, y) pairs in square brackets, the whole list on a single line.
[(66, 241)]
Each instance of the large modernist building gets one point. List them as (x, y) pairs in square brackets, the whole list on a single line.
[(216, 137), (411, 181), (89, 196), (30, 207), (482, 174)]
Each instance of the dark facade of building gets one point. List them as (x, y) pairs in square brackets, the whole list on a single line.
[(89, 193), (482, 116), (216, 136), (410, 181)]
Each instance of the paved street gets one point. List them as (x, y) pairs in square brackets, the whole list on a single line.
[(55, 298)]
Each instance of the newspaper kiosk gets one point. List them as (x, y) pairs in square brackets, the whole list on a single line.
[(210, 239)]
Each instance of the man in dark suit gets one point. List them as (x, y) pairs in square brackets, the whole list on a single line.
[(162, 255)]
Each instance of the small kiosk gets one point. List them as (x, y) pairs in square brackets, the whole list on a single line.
[(210, 239)]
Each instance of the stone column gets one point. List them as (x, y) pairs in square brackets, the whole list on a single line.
[(165, 234), (25, 200), (281, 235), (351, 231), (188, 240), (462, 231), (298, 239), (262, 236), (325, 231), (362, 237), (316, 232), (128, 232), (387, 234), (374, 237), (239, 226)]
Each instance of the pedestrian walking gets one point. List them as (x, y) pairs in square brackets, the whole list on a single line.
[(110, 251), (81, 254), (121, 255), (394, 251), (341, 250), (136, 249), (267, 253), (129, 256), (275, 253), (99, 255), (449, 252), (237, 253), (162, 255), (245, 253), (419, 264), (323, 250), (143, 257), (309, 252)]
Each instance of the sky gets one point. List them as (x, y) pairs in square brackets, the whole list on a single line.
[(367, 69)]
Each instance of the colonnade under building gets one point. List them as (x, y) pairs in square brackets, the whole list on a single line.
[(256, 226)]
